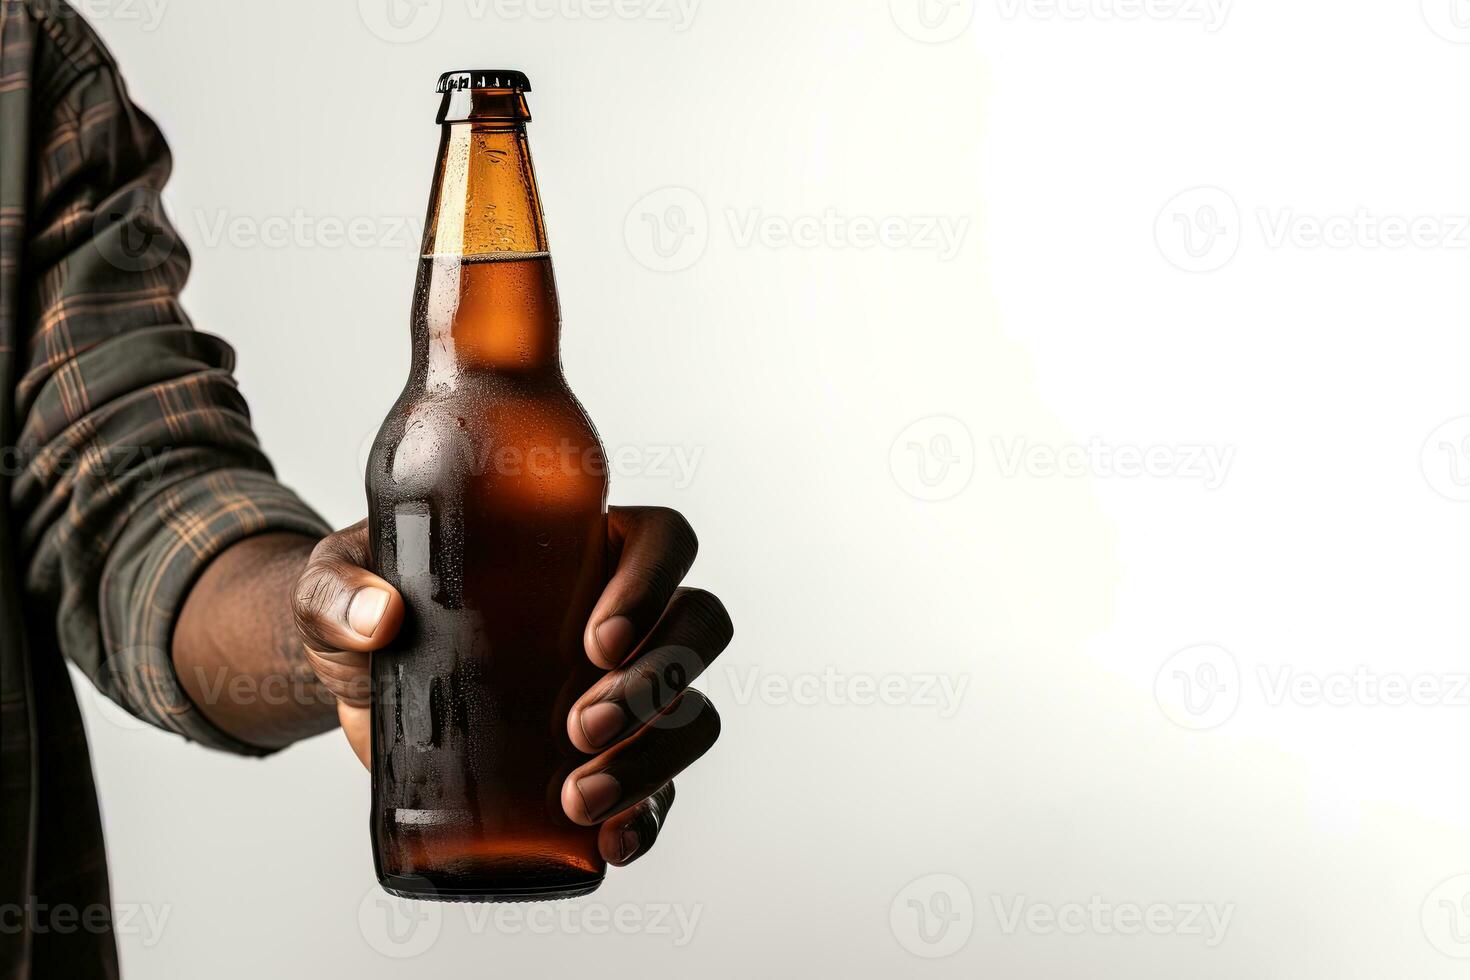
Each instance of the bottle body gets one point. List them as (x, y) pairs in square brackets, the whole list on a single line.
[(487, 509)]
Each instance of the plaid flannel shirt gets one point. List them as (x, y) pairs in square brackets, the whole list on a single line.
[(128, 464)]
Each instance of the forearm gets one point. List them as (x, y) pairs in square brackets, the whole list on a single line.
[(237, 651)]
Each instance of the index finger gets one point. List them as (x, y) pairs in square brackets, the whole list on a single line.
[(655, 548)]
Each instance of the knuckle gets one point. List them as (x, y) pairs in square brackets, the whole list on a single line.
[(333, 674), (328, 547), (696, 715), (709, 722), (349, 544), (317, 590), (660, 577), (709, 614), (681, 533), (650, 688)]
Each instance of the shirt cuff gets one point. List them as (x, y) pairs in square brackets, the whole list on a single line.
[(167, 545)]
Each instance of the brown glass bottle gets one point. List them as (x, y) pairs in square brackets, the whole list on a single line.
[(487, 500)]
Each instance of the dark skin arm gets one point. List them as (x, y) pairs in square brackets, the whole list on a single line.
[(274, 643), (236, 638)]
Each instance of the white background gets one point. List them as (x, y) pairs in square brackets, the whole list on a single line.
[(1097, 308)]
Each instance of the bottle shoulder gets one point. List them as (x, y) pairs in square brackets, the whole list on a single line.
[(491, 399), (489, 432)]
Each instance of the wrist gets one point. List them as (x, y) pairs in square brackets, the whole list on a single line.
[(236, 649)]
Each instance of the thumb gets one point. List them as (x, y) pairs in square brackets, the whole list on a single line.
[(339, 604)]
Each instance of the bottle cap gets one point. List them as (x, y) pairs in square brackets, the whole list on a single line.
[(459, 81)]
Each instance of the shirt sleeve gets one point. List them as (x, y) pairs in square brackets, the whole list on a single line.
[(136, 464)]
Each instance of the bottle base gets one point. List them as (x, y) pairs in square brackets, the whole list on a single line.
[(423, 890)]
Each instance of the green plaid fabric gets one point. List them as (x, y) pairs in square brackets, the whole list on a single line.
[(128, 464)]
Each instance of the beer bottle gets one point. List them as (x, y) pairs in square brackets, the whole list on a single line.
[(487, 496)]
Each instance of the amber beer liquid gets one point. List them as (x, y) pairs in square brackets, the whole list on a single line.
[(487, 501)]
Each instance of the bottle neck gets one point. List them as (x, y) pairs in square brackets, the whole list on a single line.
[(486, 297), (485, 197)]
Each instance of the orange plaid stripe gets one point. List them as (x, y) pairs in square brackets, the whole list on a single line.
[(126, 457)]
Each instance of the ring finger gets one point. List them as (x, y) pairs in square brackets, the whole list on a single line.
[(635, 768)]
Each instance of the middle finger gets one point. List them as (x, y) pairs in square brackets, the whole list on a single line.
[(693, 631)]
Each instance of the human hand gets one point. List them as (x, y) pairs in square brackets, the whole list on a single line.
[(639, 720)]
